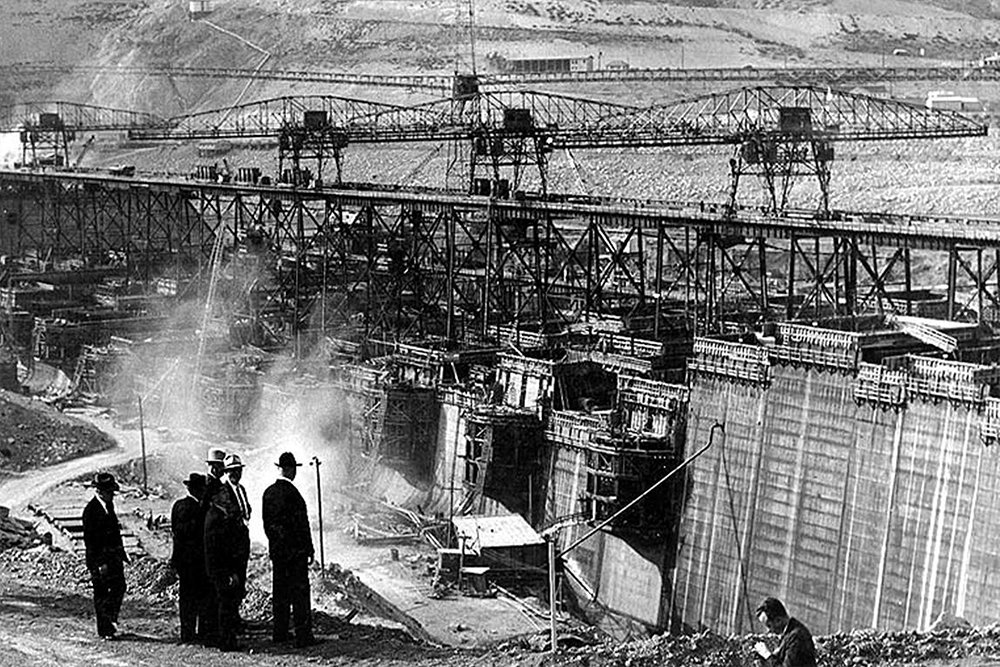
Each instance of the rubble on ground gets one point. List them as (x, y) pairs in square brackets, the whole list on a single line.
[(16, 532), (862, 648)]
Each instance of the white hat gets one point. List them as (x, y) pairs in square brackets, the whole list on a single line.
[(233, 461), (215, 455)]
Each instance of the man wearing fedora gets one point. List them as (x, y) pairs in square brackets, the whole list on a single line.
[(223, 534), (187, 523), (238, 495), (216, 461), (286, 524), (106, 556)]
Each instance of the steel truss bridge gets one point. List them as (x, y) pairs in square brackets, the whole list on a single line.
[(404, 264), (818, 75)]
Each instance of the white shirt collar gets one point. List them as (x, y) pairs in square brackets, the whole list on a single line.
[(103, 504)]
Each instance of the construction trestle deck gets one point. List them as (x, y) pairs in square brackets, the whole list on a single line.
[(450, 264)]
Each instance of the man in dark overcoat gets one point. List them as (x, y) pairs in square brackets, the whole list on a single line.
[(286, 524), (187, 523), (238, 496), (106, 556), (224, 532)]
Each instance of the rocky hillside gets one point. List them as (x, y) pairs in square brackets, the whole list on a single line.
[(433, 36)]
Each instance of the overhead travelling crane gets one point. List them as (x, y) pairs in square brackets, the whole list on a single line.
[(778, 133), (310, 127), (505, 120), (47, 129)]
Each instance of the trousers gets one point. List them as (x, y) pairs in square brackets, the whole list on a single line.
[(290, 592), (109, 591)]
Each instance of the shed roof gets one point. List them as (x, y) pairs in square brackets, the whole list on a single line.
[(493, 532)]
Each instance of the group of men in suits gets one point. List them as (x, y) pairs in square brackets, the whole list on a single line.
[(212, 550)]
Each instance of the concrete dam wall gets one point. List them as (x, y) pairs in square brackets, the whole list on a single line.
[(861, 494)]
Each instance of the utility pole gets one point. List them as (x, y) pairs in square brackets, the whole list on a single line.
[(142, 444), (319, 510)]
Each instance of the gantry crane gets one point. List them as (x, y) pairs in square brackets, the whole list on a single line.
[(778, 133), (47, 129)]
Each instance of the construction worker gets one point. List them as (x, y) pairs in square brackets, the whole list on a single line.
[(187, 524), (106, 556), (290, 547), (795, 648)]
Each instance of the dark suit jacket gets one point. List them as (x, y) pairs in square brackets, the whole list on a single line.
[(223, 538), (286, 522), (212, 485), (102, 537), (187, 523), (796, 648)]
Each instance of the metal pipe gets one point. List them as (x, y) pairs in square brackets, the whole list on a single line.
[(319, 510), (552, 595), (600, 526)]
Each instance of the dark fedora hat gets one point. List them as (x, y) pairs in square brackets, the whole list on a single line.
[(105, 481), (195, 481), (287, 460)]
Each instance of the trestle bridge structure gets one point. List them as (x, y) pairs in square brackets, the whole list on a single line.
[(416, 264), (418, 261)]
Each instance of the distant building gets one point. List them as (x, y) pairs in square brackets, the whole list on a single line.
[(545, 65), (949, 101), (616, 65), (199, 8)]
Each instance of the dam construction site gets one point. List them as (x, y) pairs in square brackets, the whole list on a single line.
[(576, 377)]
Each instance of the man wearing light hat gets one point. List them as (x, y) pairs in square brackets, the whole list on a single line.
[(238, 494), (106, 556), (286, 524), (225, 559), (216, 460)]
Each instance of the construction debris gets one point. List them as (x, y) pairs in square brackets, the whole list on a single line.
[(16, 532)]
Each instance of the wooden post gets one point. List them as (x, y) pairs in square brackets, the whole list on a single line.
[(552, 596), (142, 444)]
